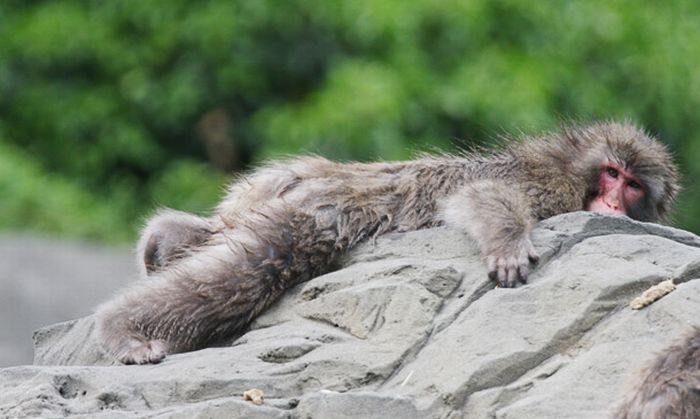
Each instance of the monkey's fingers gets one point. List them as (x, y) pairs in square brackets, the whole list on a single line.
[(144, 352), (508, 272), (492, 268), (503, 276), (532, 254), (523, 272), (513, 276)]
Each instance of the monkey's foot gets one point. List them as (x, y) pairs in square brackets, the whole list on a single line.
[(512, 267), (143, 352)]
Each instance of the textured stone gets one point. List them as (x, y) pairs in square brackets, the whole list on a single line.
[(409, 328)]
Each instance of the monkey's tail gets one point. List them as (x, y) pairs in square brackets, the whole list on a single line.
[(217, 290)]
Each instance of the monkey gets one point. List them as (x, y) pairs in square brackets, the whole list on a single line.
[(205, 279), (669, 386)]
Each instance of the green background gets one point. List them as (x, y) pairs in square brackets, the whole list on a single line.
[(111, 108)]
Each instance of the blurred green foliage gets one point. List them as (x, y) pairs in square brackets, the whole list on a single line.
[(108, 109)]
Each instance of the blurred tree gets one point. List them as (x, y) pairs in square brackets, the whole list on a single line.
[(116, 106)]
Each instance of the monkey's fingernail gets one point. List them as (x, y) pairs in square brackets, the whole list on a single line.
[(513, 277), (534, 258), (523, 272), (503, 276)]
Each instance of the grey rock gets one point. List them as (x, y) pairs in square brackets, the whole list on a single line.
[(409, 328)]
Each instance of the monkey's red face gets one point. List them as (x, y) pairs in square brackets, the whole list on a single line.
[(619, 190)]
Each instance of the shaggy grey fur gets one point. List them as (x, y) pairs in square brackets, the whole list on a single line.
[(289, 221), (669, 387)]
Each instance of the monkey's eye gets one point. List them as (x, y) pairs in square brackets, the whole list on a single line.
[(613, 173), (634, 185)]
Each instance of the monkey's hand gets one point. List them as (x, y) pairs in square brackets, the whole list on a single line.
[(510, 265), (498, 216)]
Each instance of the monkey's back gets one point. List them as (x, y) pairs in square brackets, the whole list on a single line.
[(403, 195)]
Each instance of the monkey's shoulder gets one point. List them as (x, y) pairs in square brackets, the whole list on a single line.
[(552, 191)]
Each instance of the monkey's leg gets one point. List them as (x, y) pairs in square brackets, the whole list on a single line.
[(498, 216), (168, 236), (214, 292)]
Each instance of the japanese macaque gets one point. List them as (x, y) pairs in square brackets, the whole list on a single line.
[(669, 387), (289, 221)]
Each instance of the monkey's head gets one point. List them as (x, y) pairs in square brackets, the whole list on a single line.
[(628, 172)]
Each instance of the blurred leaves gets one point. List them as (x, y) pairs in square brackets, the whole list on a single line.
[(108, 109), (37, 200)]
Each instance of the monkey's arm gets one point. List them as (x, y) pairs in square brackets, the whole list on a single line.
[(499, 218)]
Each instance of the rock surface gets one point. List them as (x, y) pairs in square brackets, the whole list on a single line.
[(409, 328)]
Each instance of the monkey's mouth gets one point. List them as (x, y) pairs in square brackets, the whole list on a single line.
[(600, 206)]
